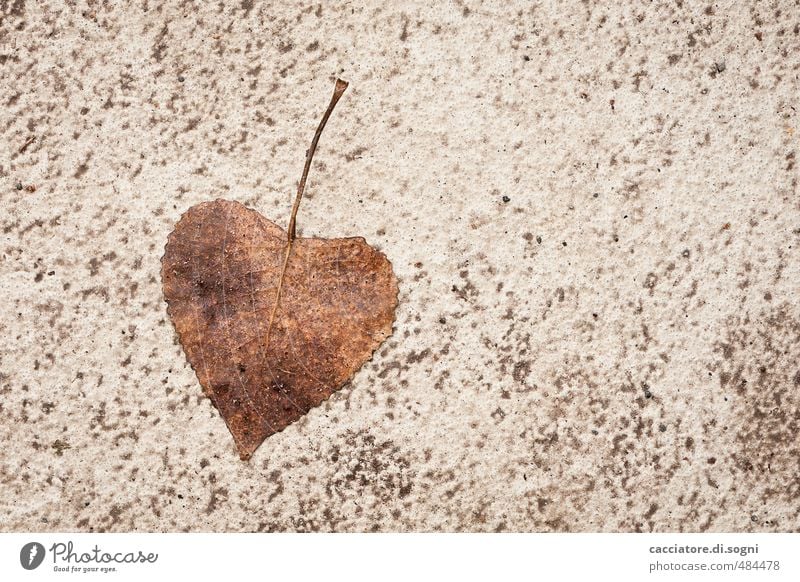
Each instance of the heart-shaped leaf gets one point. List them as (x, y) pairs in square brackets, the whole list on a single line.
[(271, 323)]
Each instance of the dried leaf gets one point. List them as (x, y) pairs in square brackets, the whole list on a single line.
[(273, 324)]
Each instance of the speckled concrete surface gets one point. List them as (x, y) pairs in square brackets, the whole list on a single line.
[(593, 212)]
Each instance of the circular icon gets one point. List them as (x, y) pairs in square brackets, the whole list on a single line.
[(31, 555)]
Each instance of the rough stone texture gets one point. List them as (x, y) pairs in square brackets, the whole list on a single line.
[(593, 212)]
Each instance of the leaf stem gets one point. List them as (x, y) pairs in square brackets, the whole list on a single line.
[(337, 94)]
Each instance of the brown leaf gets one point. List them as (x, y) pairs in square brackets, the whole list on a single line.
[(272, 324)]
